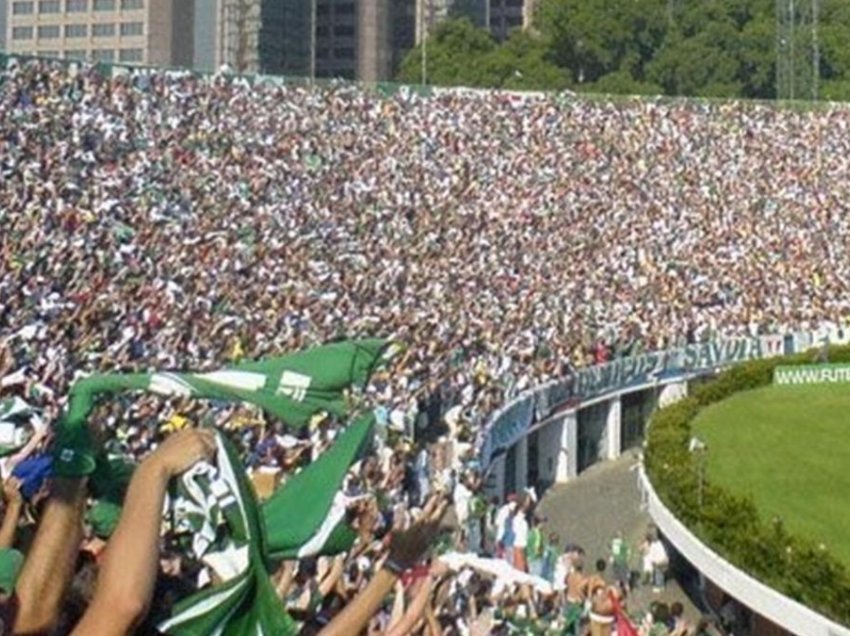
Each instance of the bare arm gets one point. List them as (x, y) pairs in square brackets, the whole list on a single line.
[(14, 505), (414, 611), (49, 566), (357, 613), (432, 622), (329, 581), (128, 575), (398, 605), (406, 550), (284, 583), (127, 578)]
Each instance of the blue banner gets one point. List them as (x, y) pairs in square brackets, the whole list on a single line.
[(511, 423)]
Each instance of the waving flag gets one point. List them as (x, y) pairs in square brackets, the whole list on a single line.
[(244, 602), (293, 388), (307, 516)]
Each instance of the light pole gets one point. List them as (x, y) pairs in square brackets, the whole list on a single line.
[(423, 49), (815, 50), (312, 41)]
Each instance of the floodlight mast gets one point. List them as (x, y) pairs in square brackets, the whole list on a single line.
[(797, 49)]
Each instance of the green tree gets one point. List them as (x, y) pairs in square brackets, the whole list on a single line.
[(455, 55), (622, 83), (521, 63), (592, 38), (714, 48), (835, 54), (757, 57), (699, 65), (724, 48), (459, 54)]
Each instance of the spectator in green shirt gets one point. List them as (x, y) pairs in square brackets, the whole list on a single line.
[(551, 554), (620, 560), (535, 547)]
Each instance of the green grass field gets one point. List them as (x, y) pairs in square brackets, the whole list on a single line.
[(789, 447)]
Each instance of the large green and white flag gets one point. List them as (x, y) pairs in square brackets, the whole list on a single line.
[(307, 517), (244, 601), (293, 388)]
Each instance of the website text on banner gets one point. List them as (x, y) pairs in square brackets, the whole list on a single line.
[(812, 374)]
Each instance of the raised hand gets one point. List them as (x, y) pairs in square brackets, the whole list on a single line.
[(183, 449), (408, 547), (12, 491)]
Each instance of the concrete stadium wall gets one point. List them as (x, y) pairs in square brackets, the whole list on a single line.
[(564, 449), (781, 610)]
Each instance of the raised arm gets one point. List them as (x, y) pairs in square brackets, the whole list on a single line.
[(14, 505), (49, 566), (406, 549), (128, 576), (415, 610), (332, 577)]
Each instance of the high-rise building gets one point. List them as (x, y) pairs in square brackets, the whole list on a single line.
[(508, 15), (205, 56), (3, 9), (353, 39), (226, 33), (286, 37), (157, 32), (500, 17)]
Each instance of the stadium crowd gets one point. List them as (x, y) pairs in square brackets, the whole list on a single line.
[(167, 221)]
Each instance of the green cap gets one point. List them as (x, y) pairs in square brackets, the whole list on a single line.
[(10, 566), (103, 518), (72, 454)]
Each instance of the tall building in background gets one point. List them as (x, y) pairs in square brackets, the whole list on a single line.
[(508, 15), (205, 56), (157, 32), (351, 39), (226, 33), (500, 17), (3, 9), (286, 37), (240, 34)]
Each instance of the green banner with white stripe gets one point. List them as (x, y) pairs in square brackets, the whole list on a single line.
[(292, 388)]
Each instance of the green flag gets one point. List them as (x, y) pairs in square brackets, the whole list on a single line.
[(244, 602), (293, 388), (306, 517)]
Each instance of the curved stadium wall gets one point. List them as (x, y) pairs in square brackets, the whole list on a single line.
[(724, 539)]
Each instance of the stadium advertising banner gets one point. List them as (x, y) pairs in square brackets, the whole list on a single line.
[(812, 374), (636, 370), (508, 427), (511, 423)]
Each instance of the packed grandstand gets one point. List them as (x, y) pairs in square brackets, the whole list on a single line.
[(165, 221)]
